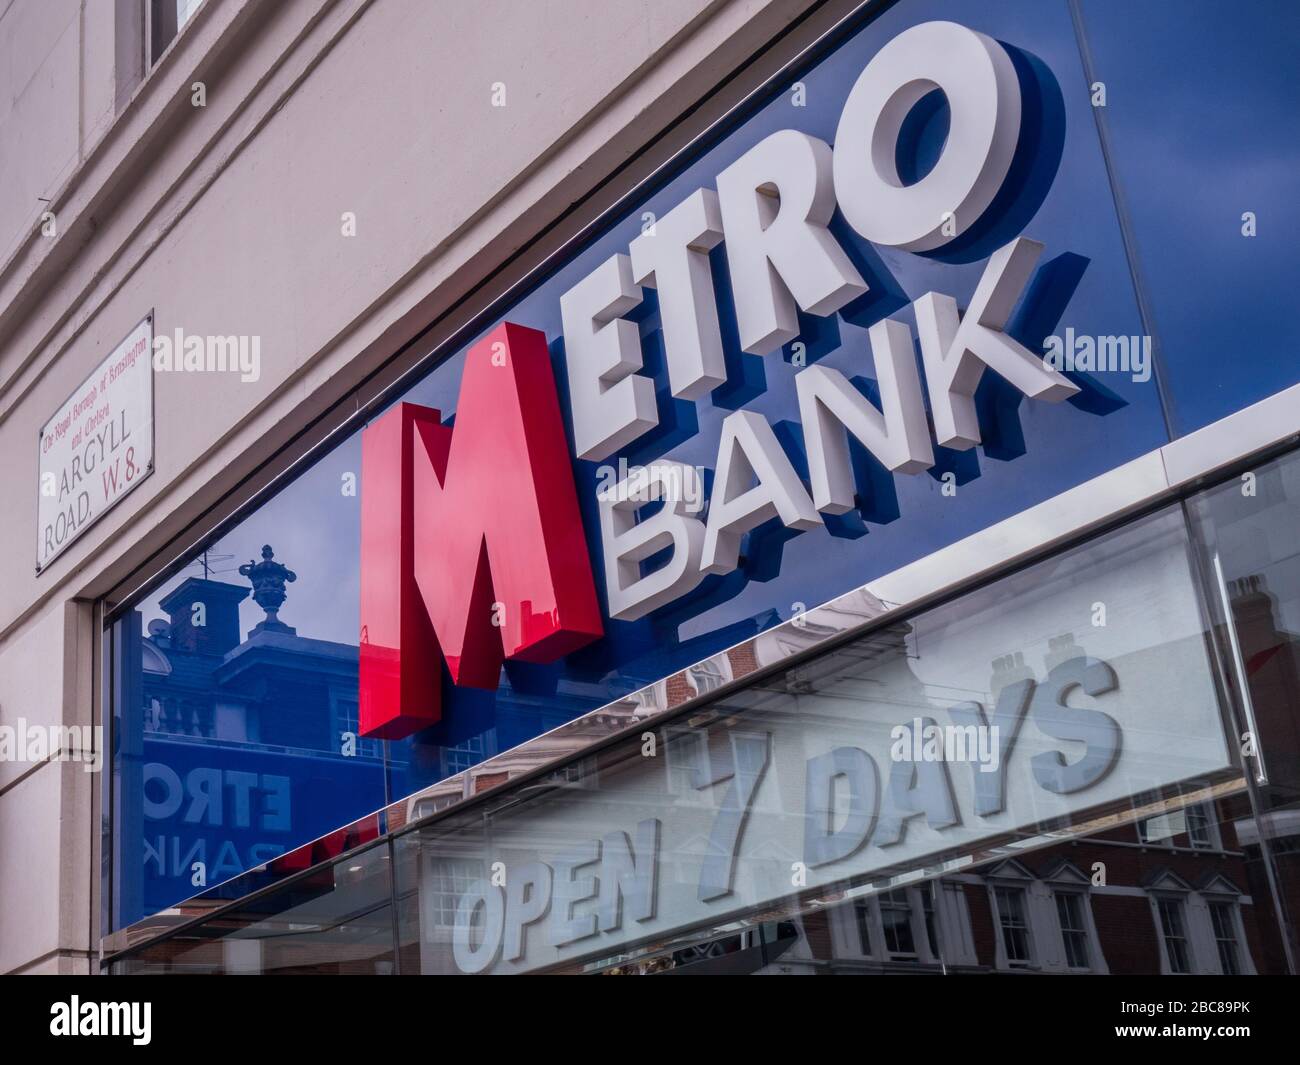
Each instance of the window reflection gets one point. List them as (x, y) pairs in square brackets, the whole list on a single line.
[(1249, 535), (1171, 873), (1074, 932), (235, 734), (1174, 933), (1014, 924), (337, 921), (716, 822), (1224, 916)]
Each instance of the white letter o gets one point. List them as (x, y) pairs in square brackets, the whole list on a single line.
[(469, 958), (977, 76)]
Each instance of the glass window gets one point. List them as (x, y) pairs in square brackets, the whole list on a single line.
[(1156, 830), (1190, 826), (1199, 834), (1246, 529), (706, 676), (335, 920), (1152, 58), (1223, 916), (464, 755), (229, 697), (896, 918), (862, 919), (234, 733), (1173, 930), (684, 860), (1013, 920), (166, 19), (651, 860), (1074, 930), (931, 931), (785, 770)]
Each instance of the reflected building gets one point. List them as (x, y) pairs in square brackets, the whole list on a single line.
[(242, 743), (246, 748), (1183, 891)]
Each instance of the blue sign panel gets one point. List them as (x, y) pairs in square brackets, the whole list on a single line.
[(1056, 193)]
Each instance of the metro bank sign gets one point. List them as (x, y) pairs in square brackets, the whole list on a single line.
[(472, 543)]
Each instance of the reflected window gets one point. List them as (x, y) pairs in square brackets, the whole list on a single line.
[(464, 756), (898, 926), (707, 676), (1013, 921), (1198, 827), (579, 774), (896, 918), (693, 849), (1173, 933), (931, 931), (450, 878), (1074, 929), (1192, 826), (1223, 916), (862, 917), (347, 718), (687, 760)]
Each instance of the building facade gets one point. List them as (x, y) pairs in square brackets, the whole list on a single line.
[(738, 486)]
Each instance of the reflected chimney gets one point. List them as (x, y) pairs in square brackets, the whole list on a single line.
[(204, 616)]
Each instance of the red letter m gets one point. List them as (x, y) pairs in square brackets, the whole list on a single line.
[(472, 548)]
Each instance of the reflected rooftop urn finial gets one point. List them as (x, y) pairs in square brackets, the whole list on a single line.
[(268, 578)]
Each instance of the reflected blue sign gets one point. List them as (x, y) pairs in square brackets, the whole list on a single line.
[(211, 813)]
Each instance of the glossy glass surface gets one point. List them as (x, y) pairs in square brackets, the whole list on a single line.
[(235, 739), (1249, 532), (337, 921), (1203, 117), (1157, 866), (816, 779)]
